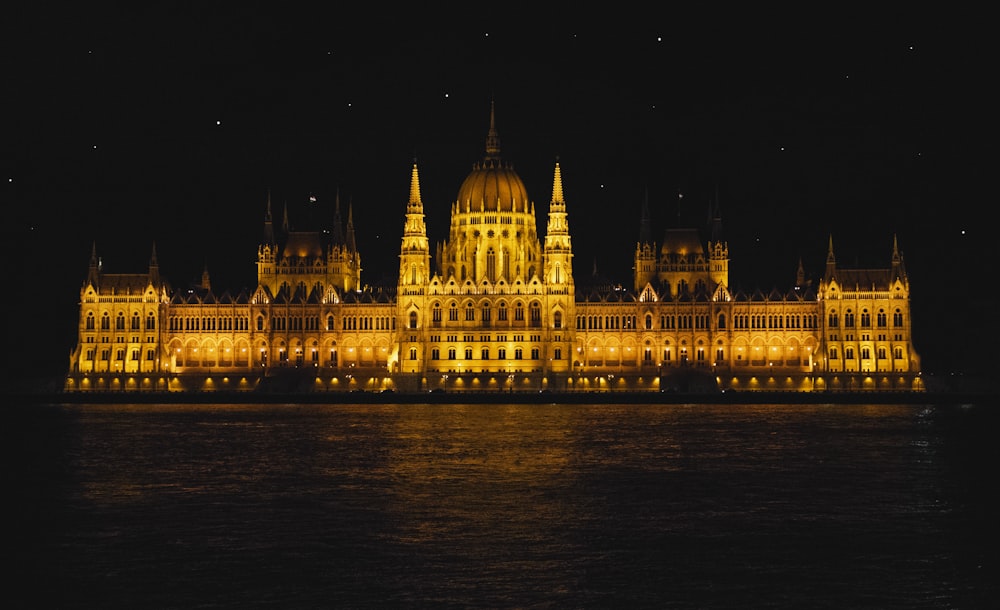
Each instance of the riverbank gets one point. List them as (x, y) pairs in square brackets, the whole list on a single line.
[(543, 397)]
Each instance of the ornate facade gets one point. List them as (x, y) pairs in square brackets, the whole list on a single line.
[(495, 309)]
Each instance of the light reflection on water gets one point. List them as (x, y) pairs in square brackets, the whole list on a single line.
[(506, 505)]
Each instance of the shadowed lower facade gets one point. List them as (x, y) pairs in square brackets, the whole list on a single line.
[(494, 308)]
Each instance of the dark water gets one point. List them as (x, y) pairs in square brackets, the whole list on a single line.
[(541, 506)]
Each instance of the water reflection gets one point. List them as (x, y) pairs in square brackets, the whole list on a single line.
[(508, 505)]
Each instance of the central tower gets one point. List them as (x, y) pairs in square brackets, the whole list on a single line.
[(493, 235), (497, 307)]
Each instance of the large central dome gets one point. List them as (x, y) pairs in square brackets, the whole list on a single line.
[(493, 186)]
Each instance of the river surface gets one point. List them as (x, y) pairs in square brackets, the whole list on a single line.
[(501, 506)]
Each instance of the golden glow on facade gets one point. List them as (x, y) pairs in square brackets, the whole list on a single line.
[(496, 309)]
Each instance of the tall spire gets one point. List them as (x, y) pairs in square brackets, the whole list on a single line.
[(492, 139), (415, 206), (831, 261), (414, 251), (95, 265), (557, 186), (898, 270), (338, 229), (154, 267), (268, 221), (558, 267), (557, 232), (351, 243)]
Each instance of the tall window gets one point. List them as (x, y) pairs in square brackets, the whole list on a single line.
[(491, 265)]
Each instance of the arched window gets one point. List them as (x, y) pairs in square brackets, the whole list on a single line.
[(491, 265), (413, 320), (557, 319)]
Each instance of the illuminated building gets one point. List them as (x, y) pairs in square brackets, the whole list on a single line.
[(495, 309)]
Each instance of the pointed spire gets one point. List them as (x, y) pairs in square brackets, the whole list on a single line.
[(285, 225), (94, 271), (492, 139), (898, 271), (338, 229), (415, 205), (154, 267), (557, 185), (206, 282), (351, 243), (831, 261), (268, 222)]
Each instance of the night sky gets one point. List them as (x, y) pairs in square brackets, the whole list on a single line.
[(157, 124)]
